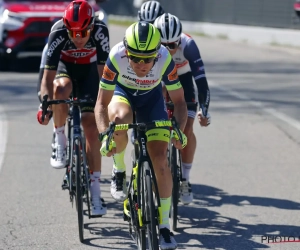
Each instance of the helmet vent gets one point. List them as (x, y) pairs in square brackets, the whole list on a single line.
[(76, 12)]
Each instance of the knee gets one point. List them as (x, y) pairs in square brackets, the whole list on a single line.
[(61, 90), (159, 161), (188, 130), (119, 118), (89, 127)]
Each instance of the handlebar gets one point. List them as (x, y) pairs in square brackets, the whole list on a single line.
[(139, 126), (73, 101)]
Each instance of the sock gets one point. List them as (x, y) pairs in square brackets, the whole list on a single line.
[(165, 204), (119, 164), (186, 169), (95, 184), (60, 137)]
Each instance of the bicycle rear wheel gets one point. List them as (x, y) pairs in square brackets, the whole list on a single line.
[(78, 194), (175, 191), (150, 215)]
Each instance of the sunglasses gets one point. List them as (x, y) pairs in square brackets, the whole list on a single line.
[(137, 59), (173, 45), (81, 34)]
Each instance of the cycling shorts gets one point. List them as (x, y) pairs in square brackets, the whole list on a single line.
[(85, 81), (148, 107)]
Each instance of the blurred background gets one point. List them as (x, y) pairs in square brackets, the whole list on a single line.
[(267, 13), (25, 25)]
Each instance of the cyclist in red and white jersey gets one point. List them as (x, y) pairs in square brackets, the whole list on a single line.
[(190, 67), (78, 48)]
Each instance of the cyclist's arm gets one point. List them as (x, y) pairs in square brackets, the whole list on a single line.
[(175, 90), (192, 54), (101, 37), (52, 60), (41, 71), (106, 90)]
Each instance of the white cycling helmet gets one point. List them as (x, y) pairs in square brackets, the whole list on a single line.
[(149, 11), (170, 28)]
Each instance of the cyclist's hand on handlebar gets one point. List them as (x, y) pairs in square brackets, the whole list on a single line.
[(175, 139), (47, 116), (111, 149), (204, 120)]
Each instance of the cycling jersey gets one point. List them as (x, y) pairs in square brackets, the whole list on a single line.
[(142, 94), (117, 71), (60, 47), (188, 59)]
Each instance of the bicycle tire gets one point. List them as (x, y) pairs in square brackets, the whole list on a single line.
[(78, 195), (175, 190), (141, 239), (150, 216)]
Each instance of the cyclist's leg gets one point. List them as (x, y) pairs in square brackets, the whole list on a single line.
[(87, 85), (119, 111), (186, 195), (158, 139), (41, 73), (62, 88)]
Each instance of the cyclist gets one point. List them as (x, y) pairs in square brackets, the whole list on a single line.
[(131, 83), (103, 17), (189, 65), (149, 11), (78, 47)]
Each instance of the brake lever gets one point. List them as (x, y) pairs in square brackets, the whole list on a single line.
[(44, 107), (175, 127), (111, 130)]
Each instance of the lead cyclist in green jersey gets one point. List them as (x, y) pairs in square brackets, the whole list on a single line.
[(131, 82)]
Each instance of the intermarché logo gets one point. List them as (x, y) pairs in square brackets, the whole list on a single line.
[(270, 239)]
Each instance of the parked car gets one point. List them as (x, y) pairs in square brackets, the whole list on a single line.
[(297, 7), (25, 26)]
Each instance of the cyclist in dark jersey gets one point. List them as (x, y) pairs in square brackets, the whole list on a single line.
[(78, 47)]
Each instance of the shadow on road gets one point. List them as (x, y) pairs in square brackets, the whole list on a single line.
[(214, 231)]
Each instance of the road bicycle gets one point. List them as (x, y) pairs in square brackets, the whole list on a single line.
[(76, 178), (175, 163), (142, 205)]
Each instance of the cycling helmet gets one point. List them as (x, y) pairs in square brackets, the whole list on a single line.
[(169, 27), (149, 11), (142, 38), (79, 16)]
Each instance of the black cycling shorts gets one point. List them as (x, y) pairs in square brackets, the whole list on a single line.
[(85, 80)]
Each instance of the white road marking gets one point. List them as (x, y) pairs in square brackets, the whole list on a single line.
[(3, 135), (283, 117)]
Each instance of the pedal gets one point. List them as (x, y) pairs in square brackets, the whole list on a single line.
[(65, 183), (125, 217), (95, 216), (64, 186)]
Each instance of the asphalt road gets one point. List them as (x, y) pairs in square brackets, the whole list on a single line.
[(245, 175)]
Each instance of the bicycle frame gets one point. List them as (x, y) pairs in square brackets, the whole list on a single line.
[(136, 172), (144, 210), (175, 164), (76, 167)]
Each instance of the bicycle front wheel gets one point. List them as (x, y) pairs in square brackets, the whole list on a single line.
[(175, 190), (149, 208), (78, 179)]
